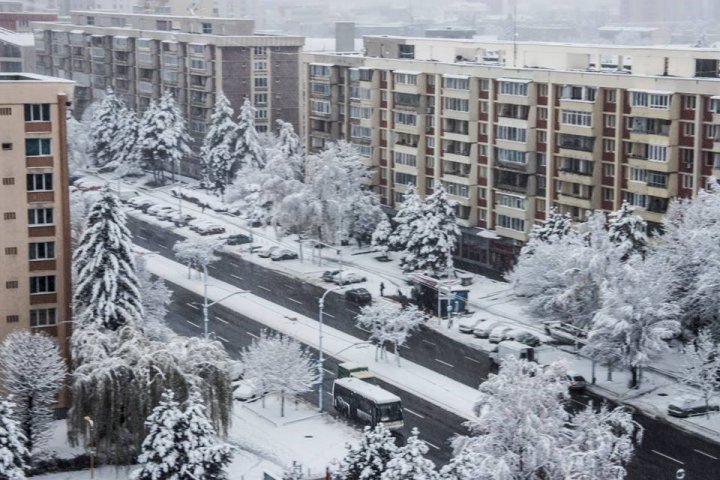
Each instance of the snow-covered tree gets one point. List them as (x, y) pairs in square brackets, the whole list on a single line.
[(409, 463), (217, 155), (155, 296), (523, 430), (628, 231), (248, 153), (107, 290), (104, 127), (197, 254), (279, 365), (368, 460), (78, 144), (80, 205), (289, 144), (408, 218), (13, 454), (125, 150), (163, 137), (434, 239), (363, 216), (389, 324), (294, 472), (381, 237), (33, 371), (554, 227), (636, 317), (703, 366)]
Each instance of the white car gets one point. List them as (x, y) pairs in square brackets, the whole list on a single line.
[(167, 214), (499, 333), (157, 210), (469, 324), (267, 252), (346, 277), (483, 330), (245, 390)]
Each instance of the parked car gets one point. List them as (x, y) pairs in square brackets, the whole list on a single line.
[(283, 254), (206, 228), (576, 382), (328, 275), (267, 251), (467, 325), (167, 213), (157, 210), (181, 220), (690, 406), (238, 239), (508, 348), (346, 278), (484, 329), (141, 204), (245, 390), (525, 337), (499, 334), (358, 296)]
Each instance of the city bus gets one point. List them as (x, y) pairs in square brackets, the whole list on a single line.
[(367, 403)]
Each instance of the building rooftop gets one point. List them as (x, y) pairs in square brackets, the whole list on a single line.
[(31, 77), (15, 38)]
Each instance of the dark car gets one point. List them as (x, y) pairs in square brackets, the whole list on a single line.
[(358, 296), (238, 239), (328, 275), (690, 407)]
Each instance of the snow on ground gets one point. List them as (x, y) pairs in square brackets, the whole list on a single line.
[(57, 445), (101, 473)]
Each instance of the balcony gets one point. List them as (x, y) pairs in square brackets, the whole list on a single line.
[(575, 201), (641, 161), (510, 233)]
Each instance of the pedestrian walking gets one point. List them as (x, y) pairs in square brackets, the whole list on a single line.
[(202, 206), (382, 289)]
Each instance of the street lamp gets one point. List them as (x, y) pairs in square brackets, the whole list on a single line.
[(321, 359), (207, 305), (91, 448)]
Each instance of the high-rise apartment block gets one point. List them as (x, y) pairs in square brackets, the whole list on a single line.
[(195, 58), (512, 130), (35, 282)]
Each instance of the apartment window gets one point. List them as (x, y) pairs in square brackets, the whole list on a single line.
[(514, 88), (42, 251), (542, 136), (356, 131), (260, 99), (608, 194), (482, 150), (541, 159), (405, 179), (9, 215), (12, 284), (608, 170), (430, 142), (608, 145), (711, 132), (361, 112), (572, 117), (406, 78), (510, 201), (638, 175), (260, 66), (207, 28), (11, 250), (482, 172), (12, 318), (511, 223), (90, 20), (197, 48), (650, 100), (610, 121), (261, 128), (688, 129), (482, 215), (457, 189), (261, 82), (6, 111), (261, 113), (405, 159), (8, 181), (320, 88), (542, 113), (510, 156), (611, 96), (657, 179), (579, 93), (358, 93), (457, 104), (687, 180), (40, 216), (542, 90), (320, 106), (482, 193), (483, 128), (689, 102), (198, 127), (42, 284), (37, 112), (163, 25), (512, 134), (39, 182), (259, 51), (319, 70), (42, 317), (484, 107), (406, 118), (456, 83), (406, 51), (484, 84), (7, 146), (657, 153), (196, 64), (37, 147)]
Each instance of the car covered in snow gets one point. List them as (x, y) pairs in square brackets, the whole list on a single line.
[(238, 239), (468, 324), (328, 275), (158, 210), (500, 333), (245, 390), (283, 254), (206, 228), (689, 406), (484, 328), (346, 277), (267, 251), (140, 203)]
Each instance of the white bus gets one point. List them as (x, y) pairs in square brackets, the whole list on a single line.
[(367, 403)]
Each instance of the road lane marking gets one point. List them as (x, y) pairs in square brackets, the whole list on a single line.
[(430, 444), (413, 413), (251, 334), (328, 371), (706, 454), (235, 276), (212, 266), (193, 324), (668, 457), (141, 237), (444, 363), (222, 339), (430, 343), (264, 288), (361, 328), (298, 302), (328, 315), (220, 319), (193, 306), (471, 359)]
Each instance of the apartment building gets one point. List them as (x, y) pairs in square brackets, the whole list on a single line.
[(35, 288), (196, 58), (511, 130)]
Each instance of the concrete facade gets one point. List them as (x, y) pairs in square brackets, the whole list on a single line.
[(512, 130), (35, 280)]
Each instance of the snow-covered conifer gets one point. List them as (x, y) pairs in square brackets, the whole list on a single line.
[(155, 296), (434, 239), (294, 472), (368, 460), (279, 365), (107, 290), (408, 218), (248, 153), (381, 237), (80, 205), (628, 231), (703, 365), (409, 463), (13, 453), (217, 155), (33, 371), (125, 150), (289, 144), (104, 127)]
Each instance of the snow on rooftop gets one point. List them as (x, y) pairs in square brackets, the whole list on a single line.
[(15, 38), (373, 392)]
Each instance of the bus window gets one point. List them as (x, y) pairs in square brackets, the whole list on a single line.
[(389, 412)]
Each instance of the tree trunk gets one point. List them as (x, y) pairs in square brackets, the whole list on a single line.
[(397, 354), (633, 378), (609, 372), (282, 404)]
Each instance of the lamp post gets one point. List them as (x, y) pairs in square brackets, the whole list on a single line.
[(91, 447), (321, 359), (206, 305)]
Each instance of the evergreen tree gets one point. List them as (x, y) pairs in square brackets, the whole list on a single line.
[(126, 154), (13, 453), (106, 291), (295, 472), (430, 247), (248, 153), (628, 231), (77, 139), (555, 227), (381, 237), (217, 153), (408, 217), (409, 463), (363, 216), (292, 148), (163, 136), (369, 459), (104, 128)]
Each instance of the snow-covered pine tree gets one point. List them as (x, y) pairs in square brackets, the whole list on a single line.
[(247, 152), (125, 150), (107, 290), (408, 218), (13, 454), (155, 300), (554, 227), (381, 237), (33, 371), (409, 462), (430, 247), (289, 144), (104, 127), (363, 216), (628, 231), (702, 367), (217, 153), (369, 459), (294, 472), (77, 140)]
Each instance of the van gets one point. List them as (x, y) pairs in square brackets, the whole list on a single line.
[(510, 348)]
